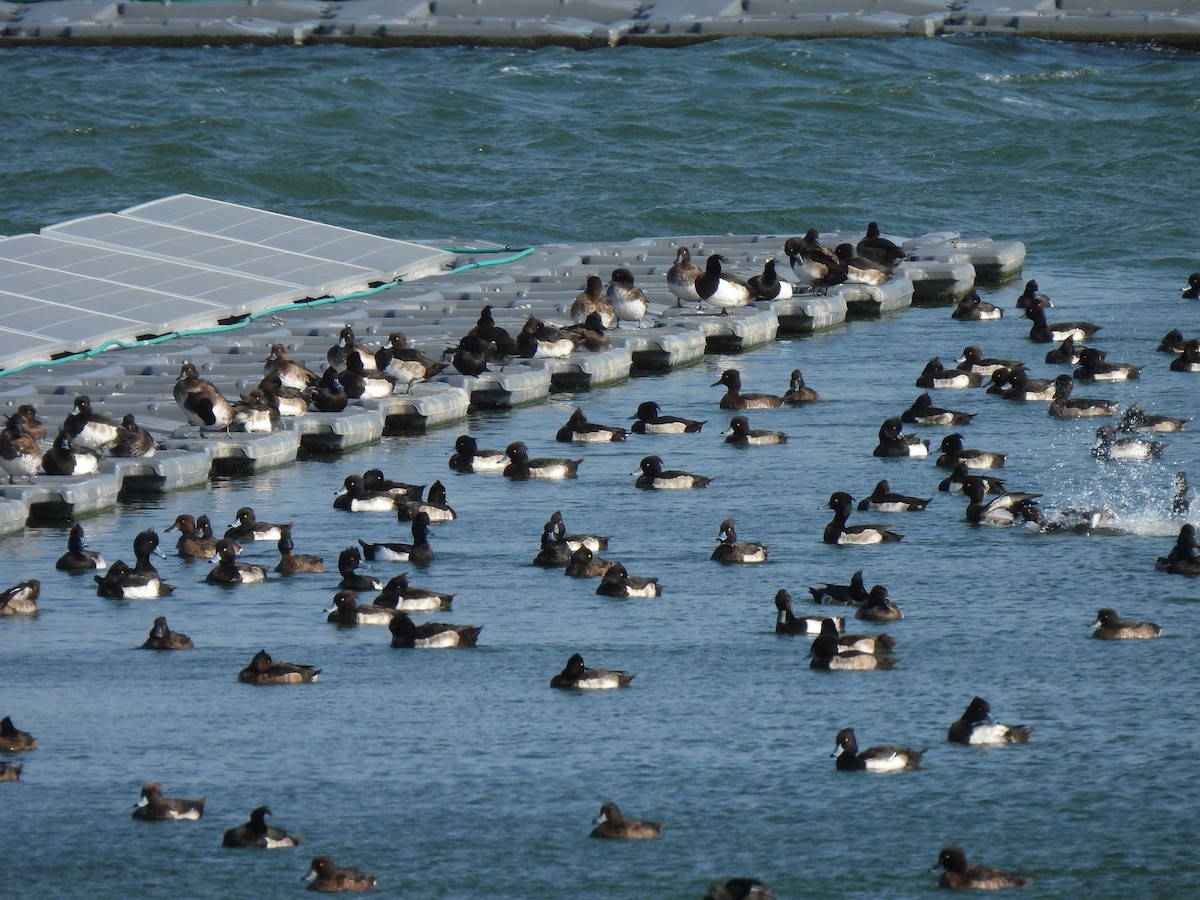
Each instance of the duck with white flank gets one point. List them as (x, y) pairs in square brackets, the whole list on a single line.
[(923, 412), (953, 453), (538, 340), (431, 635), (735, 399), (200, 400), (86, 428), (879, 607), (798, 392), (953, 483), (133, 441), (78, 558), (1192, 291), (972, 307), (580, 430), (787, 622), (1135, 419), (257, 833), (1023, 388), (838, 532), (467, 457), (253, 413), (407, 365), (740, 434), (975, 361), (264, 670), (19, 451), (828, 654), (1189, 358), (957, 875), (592, 300), (1109, 446), (977, 727), (628, 302), (1064, 406), (419, 551), (649, 420), (882, 499), (366, 383), (936, 375), (347, 346), (227, 570), (729, 550), (720, 289), (893, 443), (617, 582), (350, 559), (814, 264), (399, 594), (434, 505), (681, 278), (63, 459), (291, 374), (880, 758), (1109, 626), (521, 468), (594, 542), (1093, 367), (1032, 296), (768, 285), (1065, 354), (152, 806), (613, 825), (1009, 508), (654, 477), (347, 612), (850, 594), (1051, 333), (247, 528), (577, 676), (859, 269)]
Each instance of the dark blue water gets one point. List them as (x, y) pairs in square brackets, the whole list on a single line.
[(461, 773)]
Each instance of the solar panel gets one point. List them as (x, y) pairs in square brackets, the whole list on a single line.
[(201, 296), (318, 277), (244, 223), (60, 327)]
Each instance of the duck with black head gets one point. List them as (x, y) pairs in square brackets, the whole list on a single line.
[(735, 399), (228, 571), (649, 420), (407, 634), (828, 653), (740, 434), (923, 412), (580, 430), (196, 540), (892, 443), (787, 622), (399, 594), (884, 499), (327, 877), (611, 824), (1110, 627), (1044, 332), (977, 727), (798, 393), (87, 428), (419, 551), (161, 637), (247, 528), (838, 532), (348, 612), (467, 457), (154, 807), (13, 739), (730, 550), (329, 395), (719, 288), (654, 477), (880, 758), (256, 833), (958, 875), (20, 454), (617, 582), (78, 558), (768, 285), (628, 301), (64, 459), (202, 403), (521, 468), (1032, 296), (291, 562), (133, 441), (579, 677), (585, 564), (264, 670)]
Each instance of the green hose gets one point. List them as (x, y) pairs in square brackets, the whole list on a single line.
[(250, 317)]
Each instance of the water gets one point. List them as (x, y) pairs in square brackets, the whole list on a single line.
[(461, 774)]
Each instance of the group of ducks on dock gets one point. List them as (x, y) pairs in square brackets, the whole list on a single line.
[(83, 438)]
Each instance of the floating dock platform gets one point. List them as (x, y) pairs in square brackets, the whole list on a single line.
[(215, 284)]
